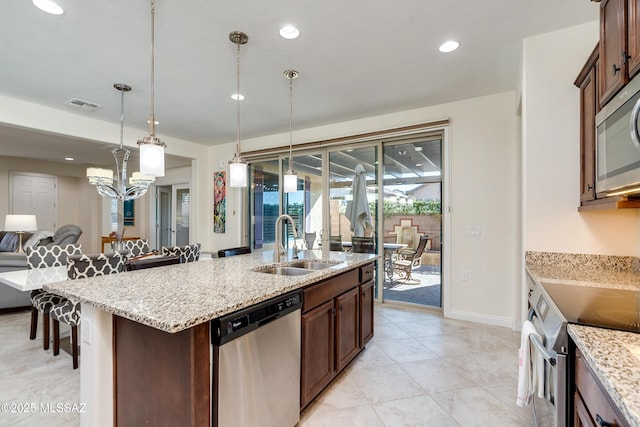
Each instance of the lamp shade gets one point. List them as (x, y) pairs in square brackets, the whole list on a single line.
[(237, 172), (152, 159), (20, 223), (290, 182)]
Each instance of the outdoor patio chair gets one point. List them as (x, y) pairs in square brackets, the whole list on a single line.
[(408, 259)]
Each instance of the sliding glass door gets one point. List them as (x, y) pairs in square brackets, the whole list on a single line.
[(388, 191)]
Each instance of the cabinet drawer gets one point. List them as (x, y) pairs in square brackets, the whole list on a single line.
[(595, 399), (366, 273), (322, 292)]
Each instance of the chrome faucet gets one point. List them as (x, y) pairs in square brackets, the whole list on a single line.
[(278, 251)]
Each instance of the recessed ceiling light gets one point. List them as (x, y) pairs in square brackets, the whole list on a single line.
[(289, 32), (418, 165), (154, 122), (48, 6), (449, 46), (69, 159), (237, 97)]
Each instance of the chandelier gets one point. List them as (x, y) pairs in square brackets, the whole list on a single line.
[(103, 179)]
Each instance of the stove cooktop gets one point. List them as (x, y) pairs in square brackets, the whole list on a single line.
[(601, 307)]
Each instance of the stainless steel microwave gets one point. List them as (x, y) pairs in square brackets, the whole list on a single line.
[(618, 142)]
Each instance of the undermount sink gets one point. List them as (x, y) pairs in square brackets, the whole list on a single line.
[(285, 271), (297, 268), (312, 265)]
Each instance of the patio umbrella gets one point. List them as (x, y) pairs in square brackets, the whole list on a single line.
[(358, 211)]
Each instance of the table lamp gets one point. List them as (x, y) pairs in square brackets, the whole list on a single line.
[(20, 224)]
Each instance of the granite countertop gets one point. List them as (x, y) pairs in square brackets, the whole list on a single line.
[(620, 272), (177, 297), (614, 356)]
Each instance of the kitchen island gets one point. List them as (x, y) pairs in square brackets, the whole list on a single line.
[(171, 309)]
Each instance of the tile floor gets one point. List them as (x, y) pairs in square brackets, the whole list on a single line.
[(419, 370)]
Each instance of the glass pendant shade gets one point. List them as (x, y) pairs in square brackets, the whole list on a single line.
[(290, 181), (151, 159), (238, 172)]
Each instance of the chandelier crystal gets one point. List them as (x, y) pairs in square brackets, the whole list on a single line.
[(103, 179)]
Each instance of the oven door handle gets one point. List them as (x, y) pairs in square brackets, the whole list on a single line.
[(633, 125), (546, 354)]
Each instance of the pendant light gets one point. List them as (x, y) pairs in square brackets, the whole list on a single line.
[(290, 177), (151, 148), (238, 165)]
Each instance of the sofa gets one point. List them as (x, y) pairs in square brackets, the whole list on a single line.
[(10, 298)]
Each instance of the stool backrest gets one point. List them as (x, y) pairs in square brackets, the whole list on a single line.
[(83, 266), (51, 256)]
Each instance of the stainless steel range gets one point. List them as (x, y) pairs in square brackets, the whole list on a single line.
[(552, 307)]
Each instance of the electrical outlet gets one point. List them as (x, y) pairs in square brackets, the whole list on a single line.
[(474, 231), (464, 276)]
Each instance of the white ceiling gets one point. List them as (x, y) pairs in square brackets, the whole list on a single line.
[(356, 58)]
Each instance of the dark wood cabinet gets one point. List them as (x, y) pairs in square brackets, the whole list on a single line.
[(332, 334), (586, 82), (318, 349), (633, 36), (592, 404), (613, 48), (347, 327), (366, 312)]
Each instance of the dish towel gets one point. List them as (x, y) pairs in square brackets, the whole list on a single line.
[(530, 366)]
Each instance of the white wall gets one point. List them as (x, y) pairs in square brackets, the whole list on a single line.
[(484, 193), (551, 138)]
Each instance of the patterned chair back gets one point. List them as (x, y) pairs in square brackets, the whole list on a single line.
[(83, 266), (189, 253), (137, 247), (52, 256)]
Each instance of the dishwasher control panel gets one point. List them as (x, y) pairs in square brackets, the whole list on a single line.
[(234, 325)]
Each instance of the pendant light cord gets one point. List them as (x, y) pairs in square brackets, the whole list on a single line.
[(152, 120), (121, 117), (238, 101), (290, 121)]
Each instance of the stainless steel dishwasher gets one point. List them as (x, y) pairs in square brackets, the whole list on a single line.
[(256, 365)]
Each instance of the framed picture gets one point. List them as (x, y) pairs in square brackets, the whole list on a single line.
[(219, 202)]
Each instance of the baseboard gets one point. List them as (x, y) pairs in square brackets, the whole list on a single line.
[(486, 319), (14, 309)]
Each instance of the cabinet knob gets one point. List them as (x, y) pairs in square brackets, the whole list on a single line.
[(589, 187), (615, 69), (601, 422), (625, 57)]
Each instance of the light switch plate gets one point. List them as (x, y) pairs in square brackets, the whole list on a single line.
[(473, 231)]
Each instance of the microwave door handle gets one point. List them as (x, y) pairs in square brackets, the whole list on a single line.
[(633, 125)]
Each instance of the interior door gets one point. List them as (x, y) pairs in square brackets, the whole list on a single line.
[(180, 214), (35, 194), (163, 212)]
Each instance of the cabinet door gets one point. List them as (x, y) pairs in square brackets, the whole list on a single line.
[(581, 417), (317, 351), (347, 327), (366, 313), (613, 48), (588, 137), (633, 36)]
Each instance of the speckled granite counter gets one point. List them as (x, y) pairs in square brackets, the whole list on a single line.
[(177, 297), (614, 356), (585, 270)]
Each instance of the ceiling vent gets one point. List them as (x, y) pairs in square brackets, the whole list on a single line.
[(85, 105)]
